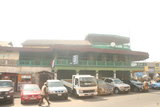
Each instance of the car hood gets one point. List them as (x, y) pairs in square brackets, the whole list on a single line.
[(5, 89), (31, 92), (57, 89), (122, 85)]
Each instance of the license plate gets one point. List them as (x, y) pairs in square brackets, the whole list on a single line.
[(33, 98), (59, 94), (1, 97)]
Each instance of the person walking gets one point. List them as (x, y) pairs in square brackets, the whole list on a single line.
[(44, 94)]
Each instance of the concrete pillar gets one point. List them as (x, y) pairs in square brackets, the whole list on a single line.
[(114, 75), (96, 74), (77, 72), (55, 74), (131, 74)]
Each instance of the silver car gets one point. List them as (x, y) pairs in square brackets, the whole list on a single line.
[(56, 89)]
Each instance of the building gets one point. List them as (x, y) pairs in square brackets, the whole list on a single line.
[(99, 55)]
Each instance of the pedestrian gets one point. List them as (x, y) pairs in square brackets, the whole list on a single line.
[(44, 94)]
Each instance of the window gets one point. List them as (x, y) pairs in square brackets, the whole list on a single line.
[(76, 81)]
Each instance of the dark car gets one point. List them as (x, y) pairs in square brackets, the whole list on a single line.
[(6, 90), (137, 86)]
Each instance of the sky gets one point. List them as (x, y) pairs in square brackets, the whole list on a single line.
[(139, 20)]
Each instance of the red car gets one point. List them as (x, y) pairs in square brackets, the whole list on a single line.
[(30, 93)]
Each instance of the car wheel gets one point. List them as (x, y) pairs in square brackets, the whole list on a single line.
[(12, 100), (75, 94), (66, 98), (22, 102), (135, 89), (116, 91)]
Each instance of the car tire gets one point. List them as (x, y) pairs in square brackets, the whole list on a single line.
[(135, 89), (66, 98), (75, 94), (12, 100), (116, 91), (22, 102)]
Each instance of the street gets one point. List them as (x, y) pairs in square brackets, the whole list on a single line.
[(150, 99)]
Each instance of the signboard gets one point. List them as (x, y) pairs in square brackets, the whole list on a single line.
[(53, 64), (75, 59)]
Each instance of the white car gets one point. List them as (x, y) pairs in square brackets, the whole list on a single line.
[(56, 89), (119, 86)]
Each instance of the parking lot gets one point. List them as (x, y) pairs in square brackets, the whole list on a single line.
[(150, 99)]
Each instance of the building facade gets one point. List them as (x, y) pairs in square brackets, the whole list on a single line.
[(98, 55)]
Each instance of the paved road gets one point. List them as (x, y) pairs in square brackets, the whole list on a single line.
[(151, 99)]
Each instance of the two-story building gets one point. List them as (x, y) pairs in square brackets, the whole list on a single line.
[(99, 55)]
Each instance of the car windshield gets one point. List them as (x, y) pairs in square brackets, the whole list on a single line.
[(5, 84), (117, 81), (136, 82), (87, 81), (55, 84), (31, 88)]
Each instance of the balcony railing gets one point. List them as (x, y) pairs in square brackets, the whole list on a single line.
[(8, 62), (108, 46), (40, 63), (64, 62)]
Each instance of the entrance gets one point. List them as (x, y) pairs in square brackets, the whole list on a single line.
[(123, 75), (102, 74), (65, 74), (87, 72), (10, 76)]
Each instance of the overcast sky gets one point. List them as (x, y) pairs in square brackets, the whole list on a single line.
[(74, 19)]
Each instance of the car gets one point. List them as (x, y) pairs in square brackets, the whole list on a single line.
[(119, 86), (104, 88), (137, 86), (30, 93), (56, 89), (155, 85), (6, 91)]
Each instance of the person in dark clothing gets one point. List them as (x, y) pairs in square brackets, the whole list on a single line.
[(44, 94)]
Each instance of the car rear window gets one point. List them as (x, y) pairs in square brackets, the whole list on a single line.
[(31, 88)]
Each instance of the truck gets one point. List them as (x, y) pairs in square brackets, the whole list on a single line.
[(81, 85), (6, 91)]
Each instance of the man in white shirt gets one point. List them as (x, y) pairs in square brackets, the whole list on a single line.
[(44, 94)]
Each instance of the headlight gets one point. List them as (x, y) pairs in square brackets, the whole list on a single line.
[(103, 89), (65, 91), (6, 92), (80, 91), (51, 92), (121, 87), (11, 91), (39, 96)]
